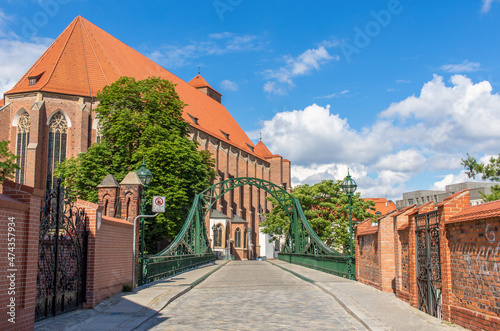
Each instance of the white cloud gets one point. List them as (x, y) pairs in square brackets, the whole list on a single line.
[(402, 161), (452, 179), (465, 66), (403, 81), (174, 56), (429, 132), (229, 85), (487, 5), (333, 95), (16, 57), (280, 80)]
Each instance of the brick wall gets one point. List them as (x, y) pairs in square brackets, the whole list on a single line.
[(19, 215), (109, 259), (469, 257), (109, 262), (474, 254), (367, 257)]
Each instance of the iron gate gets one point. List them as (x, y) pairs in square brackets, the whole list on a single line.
[(428, 264), (62, 255)]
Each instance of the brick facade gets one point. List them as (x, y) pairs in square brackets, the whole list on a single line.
[(20, 215), (109, 253), (469, 258)]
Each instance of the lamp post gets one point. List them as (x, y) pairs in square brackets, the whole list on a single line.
[(145, 176), (349, 187)]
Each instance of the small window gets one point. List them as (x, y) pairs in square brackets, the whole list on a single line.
[(34, 79), (410, 201), (250, 146)]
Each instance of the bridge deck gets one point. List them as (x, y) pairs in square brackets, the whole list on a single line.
[(250, 295)]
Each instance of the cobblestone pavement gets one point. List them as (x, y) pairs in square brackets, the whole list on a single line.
[(253, 295)]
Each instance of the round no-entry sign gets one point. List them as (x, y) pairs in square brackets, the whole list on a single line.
[(158, 204)]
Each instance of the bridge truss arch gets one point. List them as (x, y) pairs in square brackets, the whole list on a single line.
[(191, 247)]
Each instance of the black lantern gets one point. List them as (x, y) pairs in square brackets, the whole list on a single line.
[(349, 185), (144, 174)]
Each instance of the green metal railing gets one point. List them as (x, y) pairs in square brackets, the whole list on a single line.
[(191, 247)]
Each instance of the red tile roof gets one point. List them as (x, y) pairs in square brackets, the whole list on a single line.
[(2, 102), (199, 81), (262, 149), (485, 210), (453, 196), (382, 205), (370, 230), (85, 58)]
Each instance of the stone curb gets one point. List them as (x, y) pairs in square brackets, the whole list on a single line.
[(135, 319)]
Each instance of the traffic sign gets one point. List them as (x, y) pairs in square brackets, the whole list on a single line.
[(158, 204)]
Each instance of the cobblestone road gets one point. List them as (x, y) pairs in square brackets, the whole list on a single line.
[(253, 295)]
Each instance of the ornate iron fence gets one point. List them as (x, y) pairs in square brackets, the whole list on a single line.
[(429, 291), (62, 255)]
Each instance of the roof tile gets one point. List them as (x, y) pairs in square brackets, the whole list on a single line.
[(482, 211), (85, 58)]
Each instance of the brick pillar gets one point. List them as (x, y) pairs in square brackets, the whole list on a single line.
[(130, 195), (276, 174), (412, 261), (446, 210), (35, 152), (109, 193), (386, 255)]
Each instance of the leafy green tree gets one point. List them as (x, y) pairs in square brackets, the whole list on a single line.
[(489, 171), (8, 163), (143, 119), (326, 208)]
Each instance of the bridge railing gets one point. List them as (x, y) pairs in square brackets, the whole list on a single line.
[(157, 267), (191, 247), (337, 265)]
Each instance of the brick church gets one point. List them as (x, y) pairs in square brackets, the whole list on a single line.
[(49, 116)]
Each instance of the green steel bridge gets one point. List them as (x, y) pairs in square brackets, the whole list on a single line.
[(191, 247)]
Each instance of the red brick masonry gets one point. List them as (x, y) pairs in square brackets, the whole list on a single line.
[(470, 258), (109, 262)]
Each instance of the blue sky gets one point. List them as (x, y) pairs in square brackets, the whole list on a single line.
[(398, 91)]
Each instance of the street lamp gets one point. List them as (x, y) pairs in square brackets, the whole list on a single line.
[(145, 176), (349, 187)]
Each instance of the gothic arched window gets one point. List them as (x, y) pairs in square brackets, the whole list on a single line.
[(23, 137), (237, 237), (218, 236), (58, 131)]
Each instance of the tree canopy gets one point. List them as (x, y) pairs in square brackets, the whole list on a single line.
[(326, 208), (489, 171), (8, 163), (143, 119)]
